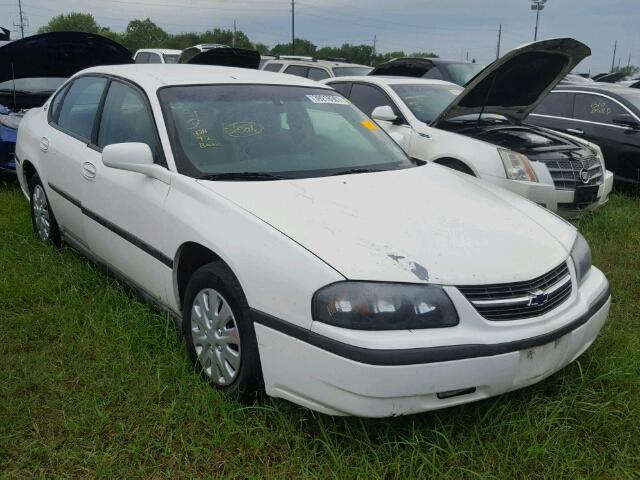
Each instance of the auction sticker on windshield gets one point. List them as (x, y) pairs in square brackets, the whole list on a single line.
[(332, 99)]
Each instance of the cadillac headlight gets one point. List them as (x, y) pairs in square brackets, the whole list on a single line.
[(517, 166), (383, 306), (581, 256)]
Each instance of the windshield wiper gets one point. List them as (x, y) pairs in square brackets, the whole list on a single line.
[(356, 170), (242, 176)]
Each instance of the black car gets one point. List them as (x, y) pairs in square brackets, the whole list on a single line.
[(453, 71), (605, 114)]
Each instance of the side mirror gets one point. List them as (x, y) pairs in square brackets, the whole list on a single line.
[(626, 120), (134, 157), (384, 113)]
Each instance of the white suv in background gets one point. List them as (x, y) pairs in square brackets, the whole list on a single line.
[(157, 55), (314, 69)]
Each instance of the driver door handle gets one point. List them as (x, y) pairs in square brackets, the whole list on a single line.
[(44, 144), (576, 131)]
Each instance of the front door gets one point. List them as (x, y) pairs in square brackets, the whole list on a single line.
[(124, 211)]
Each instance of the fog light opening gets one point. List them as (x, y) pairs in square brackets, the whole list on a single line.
[(456, 393)]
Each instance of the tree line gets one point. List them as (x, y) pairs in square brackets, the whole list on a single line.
[(146, 34)]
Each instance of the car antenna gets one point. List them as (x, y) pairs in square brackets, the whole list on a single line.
[(13, 80), (486, 98)]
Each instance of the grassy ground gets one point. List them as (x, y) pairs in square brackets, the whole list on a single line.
[(94, 383)]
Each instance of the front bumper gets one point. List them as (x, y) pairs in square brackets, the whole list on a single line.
[(337, 377), (558, 201)]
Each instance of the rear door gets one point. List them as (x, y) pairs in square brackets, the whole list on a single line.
[(65, 149), (124, 211)]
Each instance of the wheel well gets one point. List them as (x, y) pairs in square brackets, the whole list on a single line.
[(190, 258), (455, 164), (29, 171)]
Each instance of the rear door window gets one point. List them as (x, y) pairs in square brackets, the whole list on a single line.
[(596, 108), (78, 111), (556, 104), (273, 67), (142, 57), (317, 73), (299, 70)]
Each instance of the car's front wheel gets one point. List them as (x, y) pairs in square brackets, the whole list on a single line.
[(219, 332), (42, 217)]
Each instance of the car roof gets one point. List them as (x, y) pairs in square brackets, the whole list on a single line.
[(168, 51), (155, 75), (598, 87), (384, 80), (319, 61)]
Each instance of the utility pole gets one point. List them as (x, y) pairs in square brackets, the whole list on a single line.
[(233, 40), (613, 61), (538, 6), (499, 39), (293, 27), (629, 61), (373, 52), (23, 21), (467, 55)]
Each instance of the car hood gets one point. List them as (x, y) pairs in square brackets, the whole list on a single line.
[(59, 55), (424, 224), (515, 84), (227, 57)]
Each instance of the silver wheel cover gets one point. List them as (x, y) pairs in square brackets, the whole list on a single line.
[(41, 213), (215, 336)]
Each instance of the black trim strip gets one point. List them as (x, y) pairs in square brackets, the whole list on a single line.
[(141, 244), (415, 356), (66, 196)]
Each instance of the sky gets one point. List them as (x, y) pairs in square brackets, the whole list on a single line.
[(451, 28)]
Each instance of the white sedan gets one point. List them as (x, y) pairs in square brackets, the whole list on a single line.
[(299, 249), (479, 130)]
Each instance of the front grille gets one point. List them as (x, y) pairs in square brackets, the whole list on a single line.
[(566, 172), (519, 300)]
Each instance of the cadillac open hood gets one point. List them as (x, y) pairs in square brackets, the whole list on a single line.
[(228, 57), (516, 83), (58, 54)]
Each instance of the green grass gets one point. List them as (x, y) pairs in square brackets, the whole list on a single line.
[(95, 383)]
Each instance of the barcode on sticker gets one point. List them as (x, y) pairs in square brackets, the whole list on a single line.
[(333, 99)]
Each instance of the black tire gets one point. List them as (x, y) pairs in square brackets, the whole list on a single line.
[(247, 384), (53, 235)]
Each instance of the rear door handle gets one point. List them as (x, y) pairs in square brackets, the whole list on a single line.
[(88, 170), (576, 131), (44, 144)]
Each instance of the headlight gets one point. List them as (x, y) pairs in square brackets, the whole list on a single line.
[(10, 121), (517, 166), (383, 306), (581, 256)]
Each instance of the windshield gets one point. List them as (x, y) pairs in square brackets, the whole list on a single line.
[(461, 73), (293, 132), (351, 71), (33, 84), (170, 57), (426, 102)]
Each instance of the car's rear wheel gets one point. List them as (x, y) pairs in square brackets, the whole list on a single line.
[(44, 221), (219, 332)]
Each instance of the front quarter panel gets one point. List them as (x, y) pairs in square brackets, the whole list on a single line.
[(278, 276), (31, 129)]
